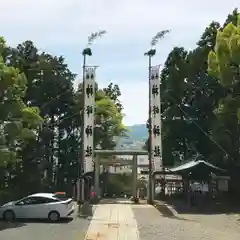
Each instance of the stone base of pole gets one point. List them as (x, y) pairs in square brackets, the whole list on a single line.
[(85, 210), (150, 193), (150, 201), (79, 208)]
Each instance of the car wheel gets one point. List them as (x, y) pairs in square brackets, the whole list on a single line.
[(9, 216), (53, 216)]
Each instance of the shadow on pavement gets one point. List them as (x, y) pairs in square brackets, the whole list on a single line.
[(88, 218), (209, 208), (24, 222), (61, 221), (6, 225), (166, 212)]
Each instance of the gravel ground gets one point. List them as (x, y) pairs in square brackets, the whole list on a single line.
[(73, 228), (154, 226)]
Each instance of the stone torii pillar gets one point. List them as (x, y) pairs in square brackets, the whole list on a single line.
[(96, 176), (134, 175)]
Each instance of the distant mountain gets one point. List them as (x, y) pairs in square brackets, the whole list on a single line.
[(136, 138), (138, 132)]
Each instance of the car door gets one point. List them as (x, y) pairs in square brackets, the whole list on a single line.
[(23, 207), (36, 207), (39, 207)]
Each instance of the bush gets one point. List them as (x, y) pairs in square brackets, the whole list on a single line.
[(7, 196)]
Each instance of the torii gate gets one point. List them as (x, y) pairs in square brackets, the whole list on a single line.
[(105, 153)]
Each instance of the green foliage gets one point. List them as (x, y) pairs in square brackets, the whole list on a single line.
[(224, 60), (40, 120), (87, 51), (118, 184), (95, 35), (159, 36), (17, 121), (224, 63), (199, 103)]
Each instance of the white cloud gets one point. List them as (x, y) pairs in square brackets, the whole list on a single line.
[(65, 24), (67, 21)]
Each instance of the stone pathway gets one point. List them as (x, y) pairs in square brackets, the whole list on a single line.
[(113, 222), (145, 222)]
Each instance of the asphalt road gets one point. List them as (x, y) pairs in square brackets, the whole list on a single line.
[(73, 228)]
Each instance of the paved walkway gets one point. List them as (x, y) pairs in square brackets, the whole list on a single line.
[(113, 222)]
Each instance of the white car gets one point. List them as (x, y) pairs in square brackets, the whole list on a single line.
[(39, 206)]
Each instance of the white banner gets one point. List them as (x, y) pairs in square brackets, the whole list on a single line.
[(156, 118), (89, 115)]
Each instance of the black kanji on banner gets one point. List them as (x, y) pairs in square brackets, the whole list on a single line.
[(89, 90), (156, 130), (89, 151), (154, 77), (89, 110), (89, 130), (89, 76), (155, 89), (156, 110), (157, 151)]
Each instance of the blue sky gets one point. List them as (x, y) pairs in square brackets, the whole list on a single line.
[(62, 27)]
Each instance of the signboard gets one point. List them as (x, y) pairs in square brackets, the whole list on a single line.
[(156, 118), (89, 110)]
